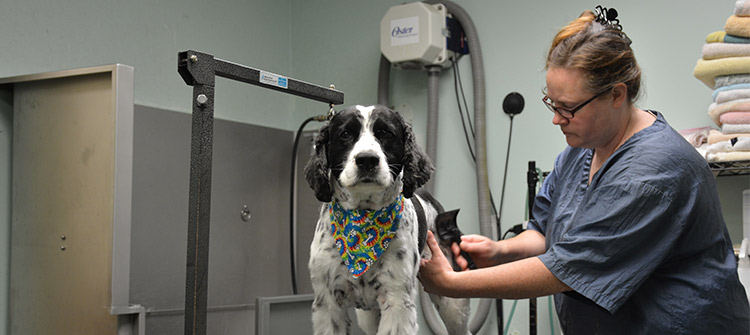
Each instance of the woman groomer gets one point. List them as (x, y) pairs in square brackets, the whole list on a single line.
[(628, 232)]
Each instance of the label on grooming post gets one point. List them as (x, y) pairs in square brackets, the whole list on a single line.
[(273, 79)]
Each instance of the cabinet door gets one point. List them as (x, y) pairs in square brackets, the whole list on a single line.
[(64, 190)]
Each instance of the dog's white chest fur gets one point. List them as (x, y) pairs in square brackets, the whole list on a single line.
[(397, 264)]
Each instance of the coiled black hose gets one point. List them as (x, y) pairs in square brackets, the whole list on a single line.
[(292, 212)]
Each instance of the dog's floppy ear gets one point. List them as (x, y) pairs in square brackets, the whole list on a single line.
[(316, 170), (417, 166)]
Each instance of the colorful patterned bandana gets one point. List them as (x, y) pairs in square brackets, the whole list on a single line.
[(363, 235)]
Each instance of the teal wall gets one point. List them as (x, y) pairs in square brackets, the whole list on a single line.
[(337, 42), (46, 35)]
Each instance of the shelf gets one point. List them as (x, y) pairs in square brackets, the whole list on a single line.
[(732, 168)]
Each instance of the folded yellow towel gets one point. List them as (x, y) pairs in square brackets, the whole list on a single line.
[(723, 50), (716, 36), (738, 26), (707, 70)]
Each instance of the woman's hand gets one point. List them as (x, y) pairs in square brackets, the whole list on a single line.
[(482, 250), (509, 271), (436, 273)]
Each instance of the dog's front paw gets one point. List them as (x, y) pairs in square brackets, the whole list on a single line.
[(329, 319), (398, 319)]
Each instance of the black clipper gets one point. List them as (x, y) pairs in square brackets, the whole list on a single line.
[(447, 229)]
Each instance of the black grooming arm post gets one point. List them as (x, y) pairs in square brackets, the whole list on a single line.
[(532, 178), (200, 70)]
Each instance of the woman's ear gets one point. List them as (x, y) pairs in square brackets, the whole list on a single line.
[(619, 95)]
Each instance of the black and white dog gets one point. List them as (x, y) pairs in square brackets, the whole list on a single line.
[(367, 167)]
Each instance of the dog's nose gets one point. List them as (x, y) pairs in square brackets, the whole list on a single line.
[(366, 161)]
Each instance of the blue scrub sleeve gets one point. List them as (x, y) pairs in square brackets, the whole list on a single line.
[(623, 232)]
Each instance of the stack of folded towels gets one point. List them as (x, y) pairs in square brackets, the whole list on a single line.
[(725, 68)]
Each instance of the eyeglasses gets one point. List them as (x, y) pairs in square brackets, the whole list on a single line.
[(567, 112)]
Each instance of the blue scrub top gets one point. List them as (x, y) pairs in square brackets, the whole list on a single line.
[(644, 246)]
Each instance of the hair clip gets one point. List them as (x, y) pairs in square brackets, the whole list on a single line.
[(608, 18)]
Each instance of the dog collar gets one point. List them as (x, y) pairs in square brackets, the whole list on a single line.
[(362, 235)]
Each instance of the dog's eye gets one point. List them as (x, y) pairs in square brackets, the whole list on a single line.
[(383, 134), (345, 135)]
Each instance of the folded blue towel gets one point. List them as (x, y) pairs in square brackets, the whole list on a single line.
[(727, 88), (736, 39)]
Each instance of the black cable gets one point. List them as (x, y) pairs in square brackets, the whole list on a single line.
[(463, 97), (456, 80), (505, 173), (292, 187), (517, 229)]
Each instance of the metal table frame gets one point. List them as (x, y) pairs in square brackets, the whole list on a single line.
[(200, 70)]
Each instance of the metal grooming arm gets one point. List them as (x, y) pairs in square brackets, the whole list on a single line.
[(200, 70)]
